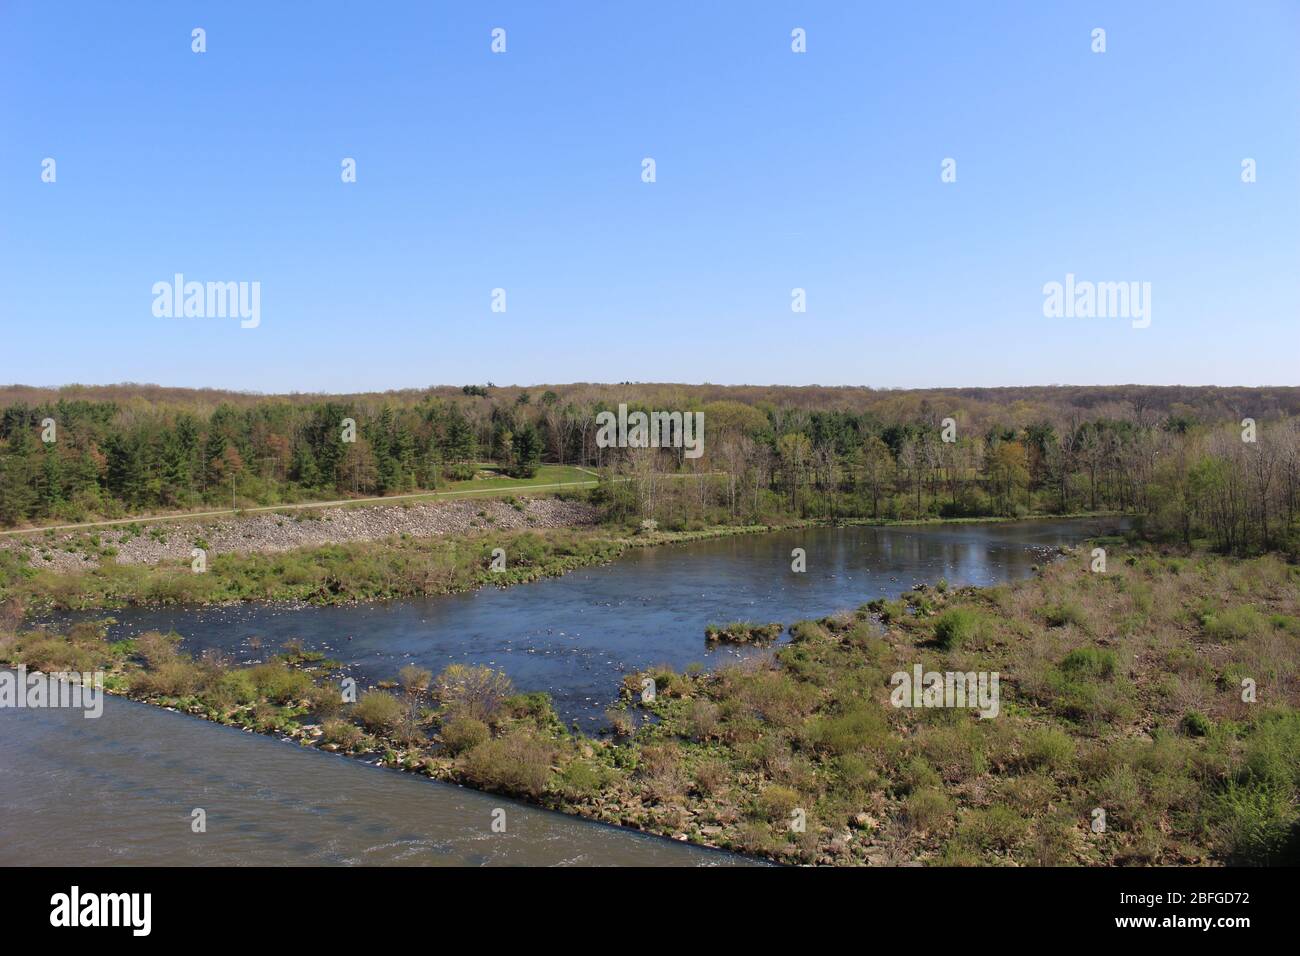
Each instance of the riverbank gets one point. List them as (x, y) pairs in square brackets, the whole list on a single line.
[(1120, 691), (343, 556), (345, 573)]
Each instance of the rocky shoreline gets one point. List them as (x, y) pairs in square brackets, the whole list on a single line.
[(273, 532)]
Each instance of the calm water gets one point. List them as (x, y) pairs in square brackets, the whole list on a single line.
[(121, 788)]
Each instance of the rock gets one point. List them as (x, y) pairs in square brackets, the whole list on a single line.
[(269, 532)]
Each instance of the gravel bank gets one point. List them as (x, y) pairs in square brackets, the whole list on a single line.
[(269, 532)]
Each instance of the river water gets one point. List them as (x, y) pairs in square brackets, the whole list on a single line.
[(122, 788)]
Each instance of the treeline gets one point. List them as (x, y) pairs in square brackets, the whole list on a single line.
[(1234, 487), (1150, 451), (75, 459)]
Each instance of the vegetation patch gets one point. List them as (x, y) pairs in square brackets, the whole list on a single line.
[(743, 632), (799, 756)]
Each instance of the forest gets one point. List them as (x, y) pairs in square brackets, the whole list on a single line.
[(1213, 465)]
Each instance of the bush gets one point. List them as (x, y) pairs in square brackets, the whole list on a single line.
[(471, 691), (280, 684), (156, 648), (858, 729), (1234, 624), (237, 686), (709, 776), (1089, 663), (1049, 748), (955, 627), (776, 804), (326, 699), (994, 828), (344, 735), (1258, 826), (536, 706), (1196, 724), (464, 733), (582, 778), (516, 763), (702, 719), (743, 632), (174, 678), (927, 809), (1066, 612), (378, 710)]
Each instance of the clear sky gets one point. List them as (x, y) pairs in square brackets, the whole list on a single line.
[(523, 171)]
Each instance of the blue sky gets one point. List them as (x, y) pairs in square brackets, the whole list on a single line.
[(775, 170)]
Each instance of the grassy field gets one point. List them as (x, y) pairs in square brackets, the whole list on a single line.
[(1158, 699), (546, 475)]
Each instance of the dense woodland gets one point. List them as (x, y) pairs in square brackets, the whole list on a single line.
[(1175, 456)]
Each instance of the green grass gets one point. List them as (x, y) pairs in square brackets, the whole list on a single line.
[(501, 482)]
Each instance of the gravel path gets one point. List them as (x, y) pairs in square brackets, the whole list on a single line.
[(270, 532)]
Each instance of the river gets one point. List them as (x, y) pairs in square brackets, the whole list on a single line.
[(121, 789)]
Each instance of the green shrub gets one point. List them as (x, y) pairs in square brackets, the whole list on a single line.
[(1234, 624), (743, 632), (342, 734), (1196, 724), (238, 686), (1066, 612), (174, 678), (155, 648), (536, 706), (955, 627), (378, 710), (463, 733), (1089, 663), (1272, 751), (516, 763), (326, 699), (471, 691), (993, 828), (776, 804), (1258, 825), (583, 778), (1049, 748), (928, 809), (857, 729), (281, 684)]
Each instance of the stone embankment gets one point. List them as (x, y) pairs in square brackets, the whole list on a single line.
[(269, 532)]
